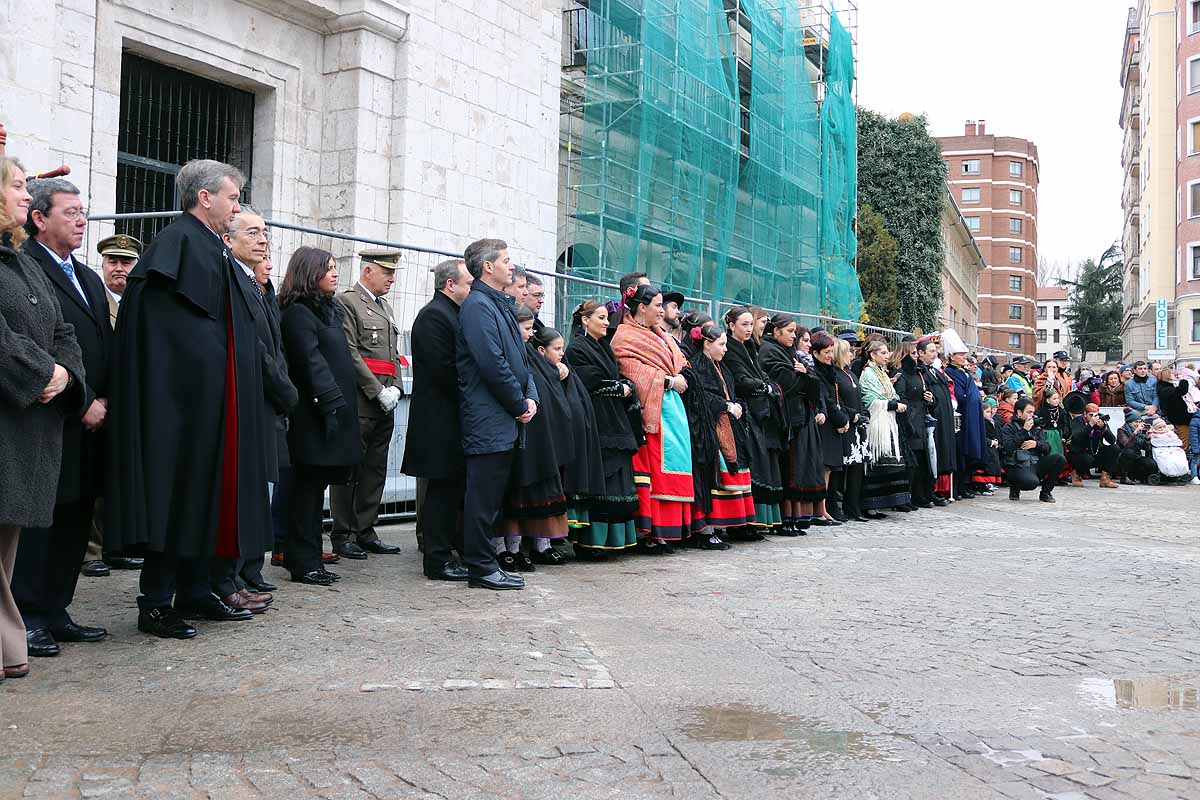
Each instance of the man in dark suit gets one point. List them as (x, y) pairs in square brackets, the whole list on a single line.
[(48, 562), (433, 451)]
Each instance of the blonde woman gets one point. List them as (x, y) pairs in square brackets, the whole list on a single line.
[(887, 483), (41, 372)]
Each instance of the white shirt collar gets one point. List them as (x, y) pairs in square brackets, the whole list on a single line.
[(249, 272), (368, 292), (57, 259), (116, 297)]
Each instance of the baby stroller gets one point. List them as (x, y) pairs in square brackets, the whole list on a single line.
[(1167, 449)]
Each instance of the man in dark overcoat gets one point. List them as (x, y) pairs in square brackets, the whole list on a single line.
[(497, 398), (433, 451), (48, 561), (942, 409), (188, 420)]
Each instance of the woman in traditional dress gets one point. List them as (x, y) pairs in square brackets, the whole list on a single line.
[(848, 395), (582, 473), (889, 468), (762, 400), (610, 515), (730, 506), (535, 505), (800, 462), (972, 444), (662, 467), (834, 444)]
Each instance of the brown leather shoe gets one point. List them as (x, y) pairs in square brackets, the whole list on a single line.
[(1106, 482), (239, 601), (1076, 481), (266, 598), (17, 671), (330, 558), (276, 559)]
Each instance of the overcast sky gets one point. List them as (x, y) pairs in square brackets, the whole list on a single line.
[(1044, 70)]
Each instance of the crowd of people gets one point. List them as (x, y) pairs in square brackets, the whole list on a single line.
[(174, 414)]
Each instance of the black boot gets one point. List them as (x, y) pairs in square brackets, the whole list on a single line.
[(1014, 493), (1046, 496)]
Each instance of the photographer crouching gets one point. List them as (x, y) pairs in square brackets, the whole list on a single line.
[(1028, 461), (1093, 446)]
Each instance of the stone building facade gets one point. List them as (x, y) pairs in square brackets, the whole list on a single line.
[(427, 122)]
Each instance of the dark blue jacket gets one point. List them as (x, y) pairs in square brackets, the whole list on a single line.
[(494, 378)]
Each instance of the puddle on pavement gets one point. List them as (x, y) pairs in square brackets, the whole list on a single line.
[(794, 743), (1146, 693)]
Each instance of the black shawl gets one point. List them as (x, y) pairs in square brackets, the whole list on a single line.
[(593, 362), (710, 375), (584, 474), (750, 380), (801, 391), (944, 435), (546, 449)]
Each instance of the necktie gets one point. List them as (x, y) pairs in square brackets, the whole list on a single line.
[(69, 270)]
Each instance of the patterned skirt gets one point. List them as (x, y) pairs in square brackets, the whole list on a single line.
[(662, 473)]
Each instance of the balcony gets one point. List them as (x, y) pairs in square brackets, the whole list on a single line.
[(1131, 151)]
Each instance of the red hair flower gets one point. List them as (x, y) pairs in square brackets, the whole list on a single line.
[(696, 334), (630, 292)]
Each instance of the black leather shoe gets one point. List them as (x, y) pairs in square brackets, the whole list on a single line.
[(121, 562), (450, 571), (94, 569), (350, 550), (215, 609), (523, 563), (380, 548), (549, 556), (41, 643), (862, 518), (259, 585), (498, 580), (940, 502), (875, 515), (164, 623), (73, 632), (314, 577), (333, 576), (507, 561)]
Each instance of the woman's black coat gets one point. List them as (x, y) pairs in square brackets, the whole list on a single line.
[(752, 384), (911, 389), (1170, 401), (278, 390), (324, 430), (433, 441), (802, 395), (594, 364)]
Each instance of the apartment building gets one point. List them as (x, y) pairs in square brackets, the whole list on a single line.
[(994, 181)]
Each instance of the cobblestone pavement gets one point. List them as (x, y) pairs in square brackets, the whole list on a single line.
[(986, 650)]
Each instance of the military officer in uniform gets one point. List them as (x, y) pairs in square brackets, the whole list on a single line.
[(118, 255), (374, 339)]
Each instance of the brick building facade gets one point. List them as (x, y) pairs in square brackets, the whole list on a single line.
[(994, 180)]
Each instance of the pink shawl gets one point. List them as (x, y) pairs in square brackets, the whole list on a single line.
[(647, 357)]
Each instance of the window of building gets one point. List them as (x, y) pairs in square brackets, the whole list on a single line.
[(1041, 357), (1014, 255), (1014, 283), (1193, 137), (207, 120), (1014, 197), (1194, 199), (1196, 325), (1014, 311), (970, 166), (1041, 312), (970, 195), (1041, 334), (1057, 334), (1193, 17), (1195, 259), (1058, 312), (972, 224), (1193, 76), (1015, 225), (1014, 341), (1015, 169)]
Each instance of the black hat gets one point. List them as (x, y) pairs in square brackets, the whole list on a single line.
[(1075, 402), (673, 297), (1021, 360), (1062, 355), (1005, 368), (849, 335)]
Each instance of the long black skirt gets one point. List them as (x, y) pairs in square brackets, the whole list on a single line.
[(803, 467), (886, 486), (766, 477)]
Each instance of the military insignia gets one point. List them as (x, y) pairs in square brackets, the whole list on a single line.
[(33, 299)]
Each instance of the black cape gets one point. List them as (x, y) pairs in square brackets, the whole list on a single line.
[(547, 447), (167, 402), (583, 475), (595, 365), (944, 435)]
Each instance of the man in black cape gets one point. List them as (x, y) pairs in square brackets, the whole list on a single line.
[(187, 420)]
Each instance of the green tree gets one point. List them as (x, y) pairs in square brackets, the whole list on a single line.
[(877, 251), (1095, 313), (901, 176)]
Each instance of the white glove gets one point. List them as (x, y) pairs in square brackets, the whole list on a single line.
[(389, 398)]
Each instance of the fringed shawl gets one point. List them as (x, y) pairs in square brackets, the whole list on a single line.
[(647, 357)]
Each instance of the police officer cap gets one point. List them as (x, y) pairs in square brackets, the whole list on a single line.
[(382, 257), (122, 246), (1062, 355)]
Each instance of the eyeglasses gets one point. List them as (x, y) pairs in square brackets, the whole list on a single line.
[(257, 233), (537, 295), (75, 214)]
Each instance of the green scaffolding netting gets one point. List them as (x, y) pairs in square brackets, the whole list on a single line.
[(699, 158)]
